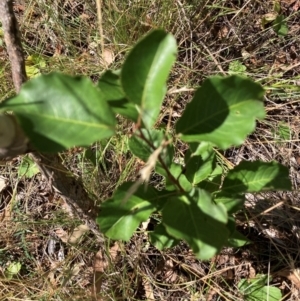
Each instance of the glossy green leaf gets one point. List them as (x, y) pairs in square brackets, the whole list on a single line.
[(161, 239), (231, 203), (145, 72), (140, 148), (177, 173), (214, 181), (200, 164), (257, 176), (200, 149), (119, 217), (197, 220), (110, 85), (223, 111), (58, 111)]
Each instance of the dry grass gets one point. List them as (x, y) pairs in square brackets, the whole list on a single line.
[(210, 34)]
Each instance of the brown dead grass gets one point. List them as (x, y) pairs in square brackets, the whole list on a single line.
[(210, 35)]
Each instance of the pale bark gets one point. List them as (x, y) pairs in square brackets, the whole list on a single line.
[(13, 44)]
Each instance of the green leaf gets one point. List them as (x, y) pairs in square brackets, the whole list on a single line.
[(231, 226), (200, 164), (12, 270), (257, 176), (256, 290), (58, 111), (145, 72), (200, 149), (236, 67), (140, 148), (92, 155), (33, 64), (119, 217), (237, 240), (197, 220), (176, 170), (213, 182), (161, 239), (277, 7), (280, 26), (27, 168), (223, 111), (283, 132), (231, 203), (110, 86)]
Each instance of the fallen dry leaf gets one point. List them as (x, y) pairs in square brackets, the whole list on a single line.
[(84, 16), (252, 272), (292, 274), (3, 183), (223, 32), (19, 8), (74, 237), (296, 6), (53, 278), (148, 290), (62, 234), (72, 273), (100, 265), (108, 56), (114, 251), (78, 233), (170, 274), (211, 294), (65, 206), (269, 17)]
